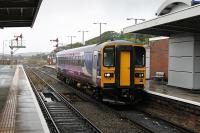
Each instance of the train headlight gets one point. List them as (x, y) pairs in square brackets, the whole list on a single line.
[(108, 75), (139, 75)]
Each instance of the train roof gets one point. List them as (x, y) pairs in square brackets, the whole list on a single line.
[(94, 47)]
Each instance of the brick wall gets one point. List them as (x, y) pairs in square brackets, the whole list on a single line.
[(159, 57)]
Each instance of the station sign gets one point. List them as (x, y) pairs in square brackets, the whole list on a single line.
[(194, 2)]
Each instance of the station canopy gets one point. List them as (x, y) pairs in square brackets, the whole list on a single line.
[(185, 20), (18, 13)]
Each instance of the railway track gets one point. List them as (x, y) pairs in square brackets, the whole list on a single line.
[(141, 118), (55, 82), (61, 116)]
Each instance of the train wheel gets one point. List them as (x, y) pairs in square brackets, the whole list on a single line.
[(67, 80), (64, 79), (58, 76), (100, 95)]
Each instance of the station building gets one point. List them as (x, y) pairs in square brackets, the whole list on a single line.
[(180, 21), (157, 50)]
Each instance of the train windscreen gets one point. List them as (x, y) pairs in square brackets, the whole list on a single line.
[(140, 55), (109, 56)]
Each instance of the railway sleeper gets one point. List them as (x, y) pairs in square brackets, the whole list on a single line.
[(72, 119), (69, 123), (59, 108), (65, 118), (78, 130)]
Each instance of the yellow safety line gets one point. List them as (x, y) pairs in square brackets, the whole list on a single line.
[(7, 118)]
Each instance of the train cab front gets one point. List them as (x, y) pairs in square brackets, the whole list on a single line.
[(122, 73)]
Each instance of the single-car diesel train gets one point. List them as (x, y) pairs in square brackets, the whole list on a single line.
[(114, 71)]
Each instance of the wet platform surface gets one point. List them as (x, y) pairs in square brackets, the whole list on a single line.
[(6, 76), (160, 88), (21, 112)]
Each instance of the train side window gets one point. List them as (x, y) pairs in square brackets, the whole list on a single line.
[(99, 60), (70, 60), (73, 60), (79, 61), (76, 60), (109, 56), (99, 65), (82, 60)]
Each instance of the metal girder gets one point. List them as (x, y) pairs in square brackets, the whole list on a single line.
[(20, 4), (155, 31), (15, 24), (15, 17), (180, 28), (18, 13)]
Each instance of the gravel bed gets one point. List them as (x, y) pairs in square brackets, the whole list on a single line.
[(105, 119), (177, 118)]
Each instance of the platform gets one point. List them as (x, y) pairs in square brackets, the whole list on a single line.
[(180, 94), (21, 112)]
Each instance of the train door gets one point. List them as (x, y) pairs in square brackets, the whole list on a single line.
[(124, 66), (94, 67)]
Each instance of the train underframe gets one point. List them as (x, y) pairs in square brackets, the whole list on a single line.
[(110, 94), (114, 94)]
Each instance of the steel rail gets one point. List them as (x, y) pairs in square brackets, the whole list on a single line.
[(70, 106), (41, 102)]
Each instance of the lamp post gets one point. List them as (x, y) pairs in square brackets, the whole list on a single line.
[(136, 19), (136, 22), (100, 30), (83, 35), (71, 37)]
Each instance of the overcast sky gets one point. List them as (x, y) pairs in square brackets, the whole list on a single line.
[(62, 18)]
